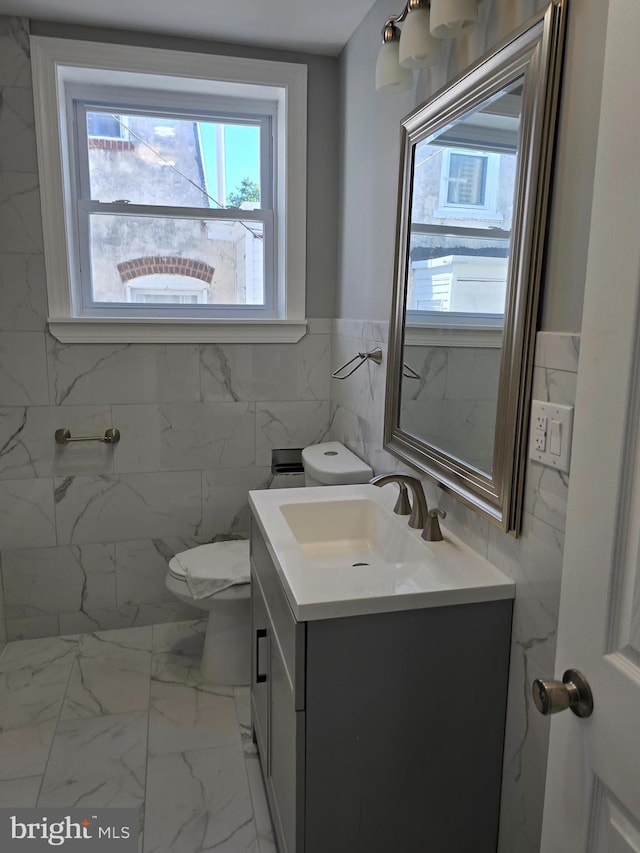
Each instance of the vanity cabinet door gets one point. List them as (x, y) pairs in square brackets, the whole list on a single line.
[(286, 755), (260, 640)]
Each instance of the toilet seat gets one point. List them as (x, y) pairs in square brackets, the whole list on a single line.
[(218, 561)]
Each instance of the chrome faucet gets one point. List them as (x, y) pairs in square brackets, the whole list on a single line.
[(420, 517), (419, 510)]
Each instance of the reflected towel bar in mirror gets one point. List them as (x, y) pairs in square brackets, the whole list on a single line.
[(409, 372), (374, 355), (111, 436)]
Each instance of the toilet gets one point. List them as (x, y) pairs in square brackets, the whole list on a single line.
[(215, 577)]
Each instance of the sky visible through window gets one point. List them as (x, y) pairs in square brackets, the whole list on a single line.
[(241, 154)]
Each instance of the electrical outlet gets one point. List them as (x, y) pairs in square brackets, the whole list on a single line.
[(550, 434)]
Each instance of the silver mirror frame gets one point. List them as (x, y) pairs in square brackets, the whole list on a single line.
[(535, 52)]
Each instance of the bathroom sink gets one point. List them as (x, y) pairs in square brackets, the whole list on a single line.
[(349, 533), (341, 551)]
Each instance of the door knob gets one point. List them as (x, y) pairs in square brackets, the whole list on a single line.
[(573, 692)]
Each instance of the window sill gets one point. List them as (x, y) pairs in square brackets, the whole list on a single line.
[(421, 334), (477, 214), (171, 331)]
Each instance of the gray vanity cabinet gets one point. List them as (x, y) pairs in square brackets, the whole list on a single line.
[(277, 704), (379, 732)]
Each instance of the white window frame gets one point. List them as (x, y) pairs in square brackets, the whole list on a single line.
[(60, 63), (486, 211)]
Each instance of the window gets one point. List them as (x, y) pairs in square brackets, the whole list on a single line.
[(459, 239), (469, 185), (174, 203), (101, 125), (466, 182)]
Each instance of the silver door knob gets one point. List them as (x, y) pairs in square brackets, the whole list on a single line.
[(572, 692)]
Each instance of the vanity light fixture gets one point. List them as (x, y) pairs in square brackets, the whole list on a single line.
[(453, 18), (390, 75), (425, 23), (418, 48)]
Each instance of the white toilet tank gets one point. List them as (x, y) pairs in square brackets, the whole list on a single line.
[(332, 464)]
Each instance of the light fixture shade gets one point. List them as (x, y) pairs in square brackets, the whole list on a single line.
[(453, 18), (390, 75), (418, 48)]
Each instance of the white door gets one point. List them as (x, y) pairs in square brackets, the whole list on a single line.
[(592, 802)]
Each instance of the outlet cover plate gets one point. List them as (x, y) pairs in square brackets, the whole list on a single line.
[(550, 434)]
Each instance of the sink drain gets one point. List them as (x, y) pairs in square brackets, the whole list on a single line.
[(359, 564)]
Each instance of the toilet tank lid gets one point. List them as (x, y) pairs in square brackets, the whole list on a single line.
[(332, 463)]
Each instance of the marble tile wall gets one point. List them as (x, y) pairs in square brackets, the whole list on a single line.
[(534, 560), (3, 626), (86, 529), (454, 398)]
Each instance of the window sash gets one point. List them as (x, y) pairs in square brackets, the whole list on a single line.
[(456, 319), (84, 207), (264, 121), (89, 307)]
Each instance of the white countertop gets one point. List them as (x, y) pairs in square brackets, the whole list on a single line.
[(450, 572)]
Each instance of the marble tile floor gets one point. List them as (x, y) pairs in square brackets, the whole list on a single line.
[(122, 718)]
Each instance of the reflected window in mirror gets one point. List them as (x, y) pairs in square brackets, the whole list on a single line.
[(464, 180)]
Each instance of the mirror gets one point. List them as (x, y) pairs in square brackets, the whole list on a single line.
[(472, 209)]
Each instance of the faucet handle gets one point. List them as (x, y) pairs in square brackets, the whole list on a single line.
[(403, 505), (432, 532)]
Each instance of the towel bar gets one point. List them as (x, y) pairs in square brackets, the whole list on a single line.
[(111, 436)]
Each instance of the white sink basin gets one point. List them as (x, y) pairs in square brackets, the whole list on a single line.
[(350, 533), (341, 551)]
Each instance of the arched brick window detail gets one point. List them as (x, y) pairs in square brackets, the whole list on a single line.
[(167, 265)]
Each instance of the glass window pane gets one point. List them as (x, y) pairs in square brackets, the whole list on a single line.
[(465, 275), (176, 261), (467, 179), (173, 161), (108, 125)]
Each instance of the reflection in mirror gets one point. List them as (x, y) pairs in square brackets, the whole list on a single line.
[(472, 210), (460, 224)]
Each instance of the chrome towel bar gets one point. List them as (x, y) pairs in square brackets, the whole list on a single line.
[(111, 436), (375, 355)]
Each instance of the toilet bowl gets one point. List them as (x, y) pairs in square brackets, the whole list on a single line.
[(226, 655)]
